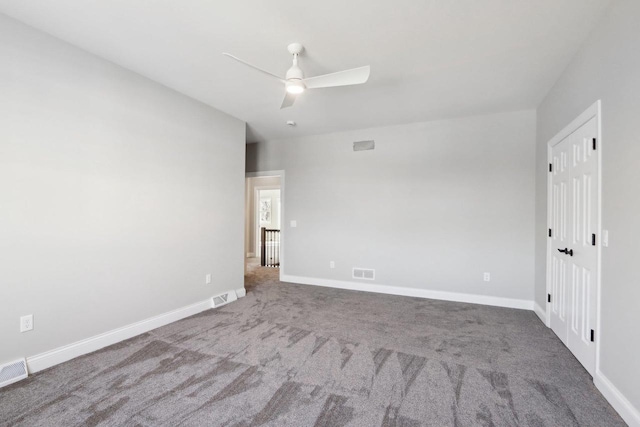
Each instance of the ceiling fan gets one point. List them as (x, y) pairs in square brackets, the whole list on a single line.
[(295, 82)]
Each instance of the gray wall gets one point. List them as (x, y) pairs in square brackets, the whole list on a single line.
[(434, 206), (607, 68), (117, 195)]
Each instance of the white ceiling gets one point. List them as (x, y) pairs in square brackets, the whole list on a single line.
[(429, 59)]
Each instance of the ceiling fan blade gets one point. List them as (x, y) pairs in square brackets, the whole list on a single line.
[(254, 67), (354, 76), (289, 99)]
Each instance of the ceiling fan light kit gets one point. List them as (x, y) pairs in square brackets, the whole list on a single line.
[(295, 83), (294, 87)]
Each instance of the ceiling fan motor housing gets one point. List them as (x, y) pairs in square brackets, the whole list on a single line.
[(295, 73)]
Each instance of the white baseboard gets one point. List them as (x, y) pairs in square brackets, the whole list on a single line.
[(411, 292), (542, 314), (62, 354), (627, 411), (240, 292)]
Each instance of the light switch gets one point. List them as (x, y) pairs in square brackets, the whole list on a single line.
[(605, 238), (294, 223)]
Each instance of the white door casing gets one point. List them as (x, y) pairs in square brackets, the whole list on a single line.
[(574, 220)]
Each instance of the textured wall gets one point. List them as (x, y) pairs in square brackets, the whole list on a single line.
[(434, 206), (117, 195)]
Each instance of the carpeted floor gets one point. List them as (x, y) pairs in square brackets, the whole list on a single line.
[(295, 355)]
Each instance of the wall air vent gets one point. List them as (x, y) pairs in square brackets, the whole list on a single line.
[(364, 145), (364, 273), (12, 372), (222, 299)]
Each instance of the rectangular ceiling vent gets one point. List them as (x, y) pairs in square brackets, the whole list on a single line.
[(12, 372), (222, 299), (364, 145), (364, 273)]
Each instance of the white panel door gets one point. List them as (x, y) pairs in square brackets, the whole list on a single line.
[(574, 258), (560, 226), (584, 262)]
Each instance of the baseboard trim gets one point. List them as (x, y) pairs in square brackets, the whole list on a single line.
[(627, 411), (240, 292), (411, 292), (71, 351), (542, 314)]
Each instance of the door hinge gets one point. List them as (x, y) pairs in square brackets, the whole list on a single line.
[(550, 167), (548, 297), (593, 335), (593, 239), (594, 143), (550, 233)]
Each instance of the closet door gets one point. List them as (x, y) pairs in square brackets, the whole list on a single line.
[(561, 226), (583, 265), (574, 255)]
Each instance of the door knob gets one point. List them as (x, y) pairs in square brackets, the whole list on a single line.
[(566, 251)]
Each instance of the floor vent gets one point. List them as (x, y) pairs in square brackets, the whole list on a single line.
[(222, 299), (364, 273), (12, 372)]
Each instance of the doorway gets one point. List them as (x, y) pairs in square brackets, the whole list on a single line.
[(573, 250), (268, 207), (264, 215)]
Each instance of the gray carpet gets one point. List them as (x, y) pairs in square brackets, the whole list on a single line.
[(295, 355)]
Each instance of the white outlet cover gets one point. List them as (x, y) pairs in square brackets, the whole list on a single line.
[(605, 238), (26, 323), (487, 277), (294, 223), (332, 264), (208, 279)]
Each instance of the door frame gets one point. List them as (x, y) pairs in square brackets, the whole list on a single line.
[(283, 234), (595, 110)]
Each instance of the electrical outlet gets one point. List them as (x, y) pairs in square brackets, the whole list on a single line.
[(487, 277), (208, 279), (26, 323), (332, 264)]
